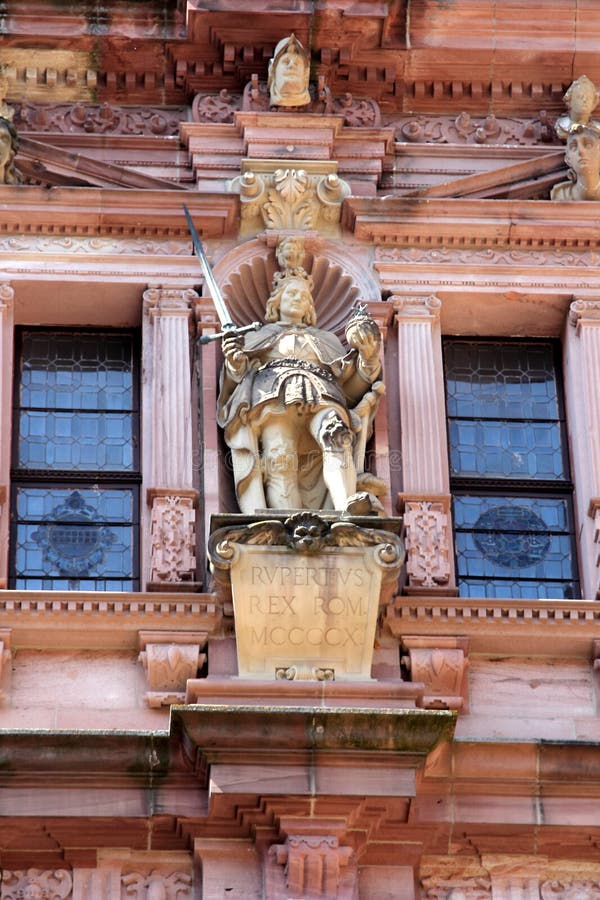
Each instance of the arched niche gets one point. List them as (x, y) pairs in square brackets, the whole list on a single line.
[(245, 276)]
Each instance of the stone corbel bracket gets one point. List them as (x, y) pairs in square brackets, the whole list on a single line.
[(170, 658), (313, 865), (5, 660), (307, 591), (277, 195), (307, 534), (440, 663)]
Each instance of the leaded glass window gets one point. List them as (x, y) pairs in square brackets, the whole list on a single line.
[(75, 462), (510, 478)]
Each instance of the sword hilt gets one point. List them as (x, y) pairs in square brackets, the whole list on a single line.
[(229, 329)]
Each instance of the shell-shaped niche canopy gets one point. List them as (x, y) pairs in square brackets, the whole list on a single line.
[(246, 274)]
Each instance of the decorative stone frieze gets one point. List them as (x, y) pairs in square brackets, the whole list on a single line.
[(441, 664), (467, 129), (457, 888), (311, 866), (36, 884), (94, 118), (170, 659), (275, 195), (428, 539)]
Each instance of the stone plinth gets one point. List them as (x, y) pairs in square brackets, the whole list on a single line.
[(306, 594)]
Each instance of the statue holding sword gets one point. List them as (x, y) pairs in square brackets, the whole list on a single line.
[(295, 406)]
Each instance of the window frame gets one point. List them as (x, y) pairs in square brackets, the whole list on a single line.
[(77, 478)]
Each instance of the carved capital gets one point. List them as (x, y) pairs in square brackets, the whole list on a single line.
[(174, 886), (428, 543), (36, 884), (170, 658), (7, 295), (275, 196), (411, 307), (159, 301), (441, 664), (173, 537), (312, 866), (584, 310)]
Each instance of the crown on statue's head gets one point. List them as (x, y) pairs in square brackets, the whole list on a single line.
[(280, 279)]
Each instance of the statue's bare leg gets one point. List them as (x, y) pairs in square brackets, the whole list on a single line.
[(335, 440), (280, 461)]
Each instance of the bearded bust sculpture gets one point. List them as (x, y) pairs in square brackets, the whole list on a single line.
[(289, 72), (296, 406)]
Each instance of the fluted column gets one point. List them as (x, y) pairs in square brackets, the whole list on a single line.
[(6, 365), (425, 497), (170, 487), (582, 383)]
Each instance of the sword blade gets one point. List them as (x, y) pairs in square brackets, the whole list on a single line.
[(213, 287)]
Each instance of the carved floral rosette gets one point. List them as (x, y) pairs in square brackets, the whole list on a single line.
[(306, 594)]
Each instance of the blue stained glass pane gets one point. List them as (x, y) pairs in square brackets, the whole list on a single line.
[(501, 380), (514, 546), (77, 371), (74, 534), (78, 440)]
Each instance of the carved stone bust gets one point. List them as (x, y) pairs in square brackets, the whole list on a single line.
[(583, 158), (289, 72), (581, 99), (9, 144)]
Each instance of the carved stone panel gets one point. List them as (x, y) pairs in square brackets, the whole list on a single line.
[(311, 866), (36, 884), (173, 539)]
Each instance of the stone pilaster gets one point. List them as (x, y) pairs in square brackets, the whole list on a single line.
[(583, 394), (425, 500), (169, 488), (6, 365)]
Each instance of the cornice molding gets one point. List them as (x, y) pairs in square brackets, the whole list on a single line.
[(473, 224), (110, 211)]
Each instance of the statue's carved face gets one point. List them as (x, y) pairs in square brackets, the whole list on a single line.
[(290, 253), (583, 153), (33, 891), (582, 99), (296, 302), (289, 74)]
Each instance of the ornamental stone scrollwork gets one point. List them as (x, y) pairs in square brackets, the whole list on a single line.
[(93, 118), (464, 129), (288, 198), (36, 884), (570, 890), (156, 886), (362, 112), (312, 866), (441, 665), (169, 660), (428, 548), (173, 538)]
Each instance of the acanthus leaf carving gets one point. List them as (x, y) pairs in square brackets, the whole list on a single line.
[(289, 198)]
